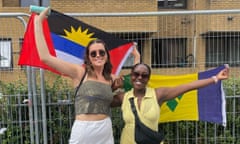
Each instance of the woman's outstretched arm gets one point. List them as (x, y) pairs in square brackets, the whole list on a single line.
[(167, 93)]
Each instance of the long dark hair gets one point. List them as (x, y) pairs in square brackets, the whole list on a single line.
[(107, 70)]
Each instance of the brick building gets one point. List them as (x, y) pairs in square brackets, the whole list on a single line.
[(165, 41)]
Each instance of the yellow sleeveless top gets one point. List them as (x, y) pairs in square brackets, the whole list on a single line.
[(149, 113)]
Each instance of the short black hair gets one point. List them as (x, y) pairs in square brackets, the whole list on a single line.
[(147, 66)]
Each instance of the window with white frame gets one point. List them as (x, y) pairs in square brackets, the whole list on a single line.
[(223, 49), (172, 4), (169, 52), (5, 53), (27, 3)]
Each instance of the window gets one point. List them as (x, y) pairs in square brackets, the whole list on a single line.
[(223, 49), (172, 4), (5, 53), (170, 53), (24, 3), (27, 3)]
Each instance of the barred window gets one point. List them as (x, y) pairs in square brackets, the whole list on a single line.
[(6, 54), (172, 4), (171, 52), (223, 49)]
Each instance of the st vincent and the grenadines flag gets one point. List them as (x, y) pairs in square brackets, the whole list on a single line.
[(69, 37), (205, 104)]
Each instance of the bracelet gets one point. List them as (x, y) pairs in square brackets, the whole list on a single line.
[(215, 79)]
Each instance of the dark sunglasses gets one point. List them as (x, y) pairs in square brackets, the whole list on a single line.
[(137, 74), (100, 52)]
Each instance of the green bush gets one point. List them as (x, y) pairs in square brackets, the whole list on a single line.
[(60, 116)]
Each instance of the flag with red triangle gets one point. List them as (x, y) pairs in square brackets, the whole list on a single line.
[(67, 38)]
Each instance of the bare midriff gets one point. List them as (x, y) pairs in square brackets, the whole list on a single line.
[(91, 117)]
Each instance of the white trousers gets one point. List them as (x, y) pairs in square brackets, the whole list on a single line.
[(92, 132)]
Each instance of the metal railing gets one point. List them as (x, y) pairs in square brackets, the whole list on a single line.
[(34, 111)]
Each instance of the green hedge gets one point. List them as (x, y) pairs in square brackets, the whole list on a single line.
[(62, 116)]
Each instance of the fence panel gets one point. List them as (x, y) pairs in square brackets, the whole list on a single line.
[(36, 106)]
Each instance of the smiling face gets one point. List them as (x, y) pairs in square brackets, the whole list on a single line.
[(97, 54), (140, 76), (98, 57)]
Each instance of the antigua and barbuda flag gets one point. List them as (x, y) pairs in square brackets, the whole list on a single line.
[(204, 104), (67, 38)]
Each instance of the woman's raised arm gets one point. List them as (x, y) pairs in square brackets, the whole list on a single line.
[(74, 71)]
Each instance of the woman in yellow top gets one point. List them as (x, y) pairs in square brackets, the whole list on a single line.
[(148, 100)]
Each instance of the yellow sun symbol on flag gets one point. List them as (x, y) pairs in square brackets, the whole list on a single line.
[(79, 36)]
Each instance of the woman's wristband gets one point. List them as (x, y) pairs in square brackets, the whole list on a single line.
[(215, 79)]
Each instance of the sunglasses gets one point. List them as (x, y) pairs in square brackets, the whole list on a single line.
[(137, 74), (100, 52)]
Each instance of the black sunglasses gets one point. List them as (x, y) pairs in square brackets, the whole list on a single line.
[(100, 52), (137, 74)]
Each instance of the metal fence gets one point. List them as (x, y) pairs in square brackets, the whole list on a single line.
[(37, 106)]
